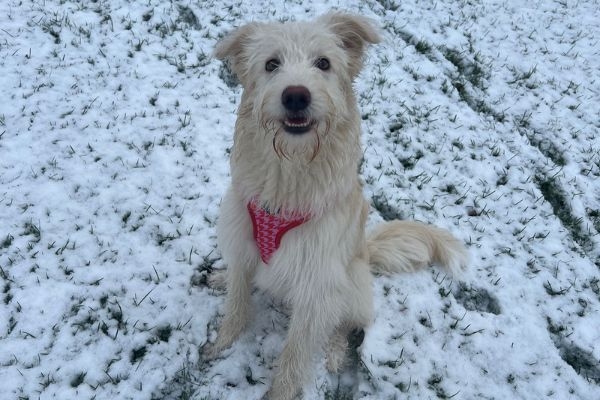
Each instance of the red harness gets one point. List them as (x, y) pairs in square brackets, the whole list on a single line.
[(270, 228)]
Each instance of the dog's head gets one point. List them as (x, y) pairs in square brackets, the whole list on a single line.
[(297, 77)]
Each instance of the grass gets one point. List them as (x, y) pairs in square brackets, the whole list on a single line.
[(434, 382), (387, 211), (555, 195), (542, 141), (8, 240), (580, 360), (78, 379), (477, 299)]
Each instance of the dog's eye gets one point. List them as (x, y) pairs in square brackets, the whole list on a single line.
[(322, 63), (272, 65)]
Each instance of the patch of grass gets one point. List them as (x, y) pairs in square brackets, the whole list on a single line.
[(4, 244), (78, 379), (187, 16), (423, 47), (582, 361), (522, 76), (29, 228), (147, 15), (470, 73), (450, 189), (544, 144), (594, 215), (162, 238), (389, 5), (202, 271), (556, 292), (594, 284), (46, 380), (476, 299), (475, 104), (387, 212), (410, 162), (502, 178), (252, 381), (164, 333), (434, 383), (125, 217), (554, 194), (227, 76), (338, 394), (137, 354), (471, 70), (184, 384), (8, 297)]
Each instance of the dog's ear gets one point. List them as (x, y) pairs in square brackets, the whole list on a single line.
[(232, 49), (355, 33)]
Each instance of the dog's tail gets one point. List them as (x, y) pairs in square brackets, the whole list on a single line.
[(404, 246)]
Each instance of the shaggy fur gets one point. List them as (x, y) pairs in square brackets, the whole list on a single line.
[(322, 269)]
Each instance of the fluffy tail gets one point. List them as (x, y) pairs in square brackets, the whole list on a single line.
[(403, 246)]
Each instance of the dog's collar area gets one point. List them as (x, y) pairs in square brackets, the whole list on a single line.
[(269, 228)]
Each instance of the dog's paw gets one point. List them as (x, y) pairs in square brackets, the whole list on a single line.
[(218, 279), (335, 360), (210, 351), (281, 394), (335, 351), (287, 383), (228, 332)]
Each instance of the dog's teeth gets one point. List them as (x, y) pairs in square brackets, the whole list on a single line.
[(295, 125)]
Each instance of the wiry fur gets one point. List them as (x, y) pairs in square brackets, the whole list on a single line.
[(322, 268)]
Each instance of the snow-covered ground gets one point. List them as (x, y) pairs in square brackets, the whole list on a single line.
[(115, 124)]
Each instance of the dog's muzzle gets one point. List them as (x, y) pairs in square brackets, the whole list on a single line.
[(295, 100)]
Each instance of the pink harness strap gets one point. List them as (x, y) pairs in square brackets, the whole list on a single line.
[(270, 228)]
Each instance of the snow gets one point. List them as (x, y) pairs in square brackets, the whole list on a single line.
[(479, 117)]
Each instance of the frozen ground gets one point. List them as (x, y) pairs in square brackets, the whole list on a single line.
[(115, 125)]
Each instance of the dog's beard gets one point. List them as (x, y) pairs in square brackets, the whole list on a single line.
[(305, 146)]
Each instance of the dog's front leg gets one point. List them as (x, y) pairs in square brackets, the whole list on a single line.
[(237, 308), (312, 322), (234, 231)]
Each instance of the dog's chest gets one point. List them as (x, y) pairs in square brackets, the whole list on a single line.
[(309, 255)]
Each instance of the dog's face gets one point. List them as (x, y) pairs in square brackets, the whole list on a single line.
[(297, 77)]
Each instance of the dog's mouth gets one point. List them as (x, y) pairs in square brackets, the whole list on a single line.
[(297, 124)]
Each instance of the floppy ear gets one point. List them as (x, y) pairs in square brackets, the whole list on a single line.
[(232, 49), (355, 33)]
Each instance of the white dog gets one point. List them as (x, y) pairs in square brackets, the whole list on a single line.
[(292, 222)]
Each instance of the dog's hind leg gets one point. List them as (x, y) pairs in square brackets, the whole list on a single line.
[(359, 313)]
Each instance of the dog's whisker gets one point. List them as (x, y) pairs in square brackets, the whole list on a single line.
[(327, 126), (268, 127), (331, 113), (317, 147), (280, 149), (264, 121), (275, 147)]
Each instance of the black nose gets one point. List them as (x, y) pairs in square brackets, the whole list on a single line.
[(295, 98)]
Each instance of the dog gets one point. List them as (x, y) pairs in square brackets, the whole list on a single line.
[(293, 219)]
